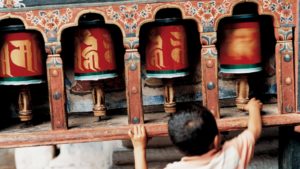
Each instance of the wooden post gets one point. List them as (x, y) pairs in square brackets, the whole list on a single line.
[(56, 88), (285, 70), (209, 66), (133, 81)]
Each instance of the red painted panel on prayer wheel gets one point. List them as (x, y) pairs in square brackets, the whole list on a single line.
[(240, 50), (94, 55), (166, 50), (21, 56)]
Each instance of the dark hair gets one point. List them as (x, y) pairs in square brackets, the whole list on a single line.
[(193, 131)]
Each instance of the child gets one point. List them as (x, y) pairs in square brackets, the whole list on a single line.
[(195, 133)]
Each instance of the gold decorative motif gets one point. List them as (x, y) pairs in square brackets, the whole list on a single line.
[(88, 58), (157, 57), (108, 48), (22, 56), (175, 53)]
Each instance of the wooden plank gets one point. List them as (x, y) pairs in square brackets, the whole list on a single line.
[(111, 132)]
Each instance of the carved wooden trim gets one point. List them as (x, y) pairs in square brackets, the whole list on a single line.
[(129, 17), (56, 93), (133, 81), (209, 66), (285, 70)]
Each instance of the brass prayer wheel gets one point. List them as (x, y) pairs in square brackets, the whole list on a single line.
[(94, 58), (21, 63), (240, 51), (166, 55)]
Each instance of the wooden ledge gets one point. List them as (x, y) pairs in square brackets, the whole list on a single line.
[(9, 140), (85, 128)]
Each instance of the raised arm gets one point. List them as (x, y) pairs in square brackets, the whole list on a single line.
[(254, 107), (139, 140)]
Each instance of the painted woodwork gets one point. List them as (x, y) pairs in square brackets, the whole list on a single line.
[(51, 18), (285, 70), (209, 60), (56, 90), (133, 81)]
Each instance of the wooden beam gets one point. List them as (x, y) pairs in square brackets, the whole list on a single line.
[(10, 140)]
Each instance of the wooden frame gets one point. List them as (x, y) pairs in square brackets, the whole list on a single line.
[(51, 20)]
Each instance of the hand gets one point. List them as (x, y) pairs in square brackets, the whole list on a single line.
[(138, 136), (253, 104)]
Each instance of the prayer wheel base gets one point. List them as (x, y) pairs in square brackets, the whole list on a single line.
[(170, 107), (25, 115), (99, 111)]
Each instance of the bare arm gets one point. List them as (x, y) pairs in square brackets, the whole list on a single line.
[(254, 123), (139, 139)]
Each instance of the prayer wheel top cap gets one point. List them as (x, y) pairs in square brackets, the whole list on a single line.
[(91, 23), (12, 28), (242, 18), (168, 21)]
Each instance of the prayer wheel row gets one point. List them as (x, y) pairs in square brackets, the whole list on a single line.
[(166, 56)]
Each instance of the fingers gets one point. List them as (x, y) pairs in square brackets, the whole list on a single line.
[(143, 131), (130, 133), (253, 102), (137, 131)]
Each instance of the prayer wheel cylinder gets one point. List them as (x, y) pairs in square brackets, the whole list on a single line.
[(21, 57), (240, 50), (166, 50), (94, 55)]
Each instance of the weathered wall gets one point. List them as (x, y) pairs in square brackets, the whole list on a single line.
[(7, 159), (96, 155)]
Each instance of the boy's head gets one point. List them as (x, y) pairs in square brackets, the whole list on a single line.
[(193, 131)]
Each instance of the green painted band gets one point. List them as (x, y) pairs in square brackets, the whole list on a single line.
[(96, 73), (21, 78), (167, 71), (241, 66)]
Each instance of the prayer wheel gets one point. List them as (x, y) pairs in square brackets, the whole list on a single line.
[(166, 55), (94, 59), (240, 51), (21, 63)]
